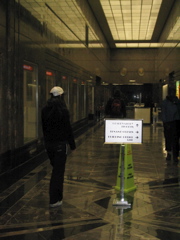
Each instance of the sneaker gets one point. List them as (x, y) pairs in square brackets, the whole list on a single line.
[(57, 204)]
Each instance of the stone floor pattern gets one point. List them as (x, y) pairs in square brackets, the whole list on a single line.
[(88, 212)]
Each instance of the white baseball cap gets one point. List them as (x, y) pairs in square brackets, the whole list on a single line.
[(56, 91)]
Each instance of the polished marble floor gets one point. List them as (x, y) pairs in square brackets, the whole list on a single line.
[(88, 212)]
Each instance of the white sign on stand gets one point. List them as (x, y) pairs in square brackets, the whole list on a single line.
[(124, 131)]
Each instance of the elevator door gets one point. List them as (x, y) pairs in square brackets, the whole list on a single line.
[(30, 102)]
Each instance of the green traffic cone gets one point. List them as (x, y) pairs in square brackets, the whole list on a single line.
[(128, 170)]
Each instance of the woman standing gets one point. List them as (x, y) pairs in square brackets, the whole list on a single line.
[(58, 134)]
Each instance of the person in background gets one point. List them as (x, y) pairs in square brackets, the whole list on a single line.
[(58, 134), (171, 124), (115, 107)]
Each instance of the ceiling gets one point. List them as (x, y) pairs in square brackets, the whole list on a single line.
[(123, 23), (132, 23)]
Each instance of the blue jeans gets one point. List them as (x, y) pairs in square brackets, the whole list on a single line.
[(57, 153)]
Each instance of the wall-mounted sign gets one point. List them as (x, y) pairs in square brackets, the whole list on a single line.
[(141, 71), (27, 67), (123, 71), (118, 131), (48, 73)]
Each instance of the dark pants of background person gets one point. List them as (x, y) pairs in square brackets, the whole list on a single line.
[(57, 154), (172, 136)]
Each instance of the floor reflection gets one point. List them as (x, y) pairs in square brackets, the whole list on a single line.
[(87, 212)]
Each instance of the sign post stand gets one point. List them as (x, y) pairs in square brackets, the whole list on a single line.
[(118, 131)]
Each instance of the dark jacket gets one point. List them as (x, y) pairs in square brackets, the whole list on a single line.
[(56, 123), (170, 109)]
